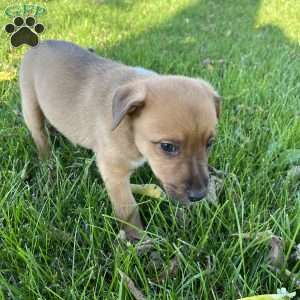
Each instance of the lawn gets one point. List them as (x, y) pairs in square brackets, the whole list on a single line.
[(58, 237)]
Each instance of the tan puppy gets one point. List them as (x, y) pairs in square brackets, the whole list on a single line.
[(127, 116)]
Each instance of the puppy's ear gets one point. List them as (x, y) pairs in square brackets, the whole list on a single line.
[(218, 101), (126, 100)]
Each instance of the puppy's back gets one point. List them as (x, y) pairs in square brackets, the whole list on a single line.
[(55, 61), (61, 77)]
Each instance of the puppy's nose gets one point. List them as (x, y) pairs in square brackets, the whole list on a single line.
[(196, 195)]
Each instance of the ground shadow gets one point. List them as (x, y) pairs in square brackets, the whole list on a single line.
[(205, 29)]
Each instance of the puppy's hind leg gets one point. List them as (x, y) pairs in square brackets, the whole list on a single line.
[(35, 121)]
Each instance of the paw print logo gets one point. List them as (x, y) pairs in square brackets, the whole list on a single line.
[(24, 32)]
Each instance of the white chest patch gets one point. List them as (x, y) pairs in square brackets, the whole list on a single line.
[(137, 163)]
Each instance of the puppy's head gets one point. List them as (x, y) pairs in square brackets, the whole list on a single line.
[(174, 124)]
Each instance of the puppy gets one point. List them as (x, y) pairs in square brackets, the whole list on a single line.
[(127, 116)]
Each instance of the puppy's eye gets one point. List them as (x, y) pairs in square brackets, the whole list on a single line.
[(210, 143), (169, 148)]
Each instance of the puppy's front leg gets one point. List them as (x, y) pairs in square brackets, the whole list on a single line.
[(117, 182)]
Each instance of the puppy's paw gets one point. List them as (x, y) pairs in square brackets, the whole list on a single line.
[(142, 243), (130, 235)]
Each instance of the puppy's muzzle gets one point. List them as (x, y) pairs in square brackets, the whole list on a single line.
[(196, 195)]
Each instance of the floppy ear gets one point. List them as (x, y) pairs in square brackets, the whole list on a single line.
[(126, 100), (218, 101)]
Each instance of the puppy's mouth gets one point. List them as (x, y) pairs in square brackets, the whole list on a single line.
[(178, 194), (181, 200), (177, 197)]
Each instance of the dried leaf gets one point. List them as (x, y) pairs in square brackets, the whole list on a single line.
[(136, 293), (276, 255), (214, 184)]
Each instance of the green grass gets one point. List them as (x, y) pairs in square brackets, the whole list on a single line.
[(57, 233)]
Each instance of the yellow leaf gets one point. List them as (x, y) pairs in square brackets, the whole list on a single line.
[(271, 297), (7, 75), (149, 190)]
